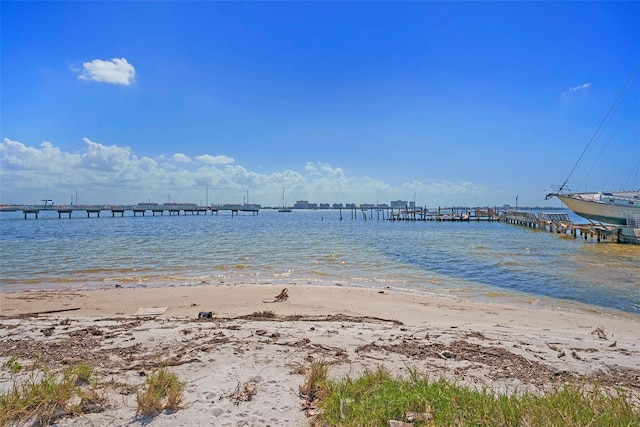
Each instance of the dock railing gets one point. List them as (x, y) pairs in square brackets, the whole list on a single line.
[(528, 219)]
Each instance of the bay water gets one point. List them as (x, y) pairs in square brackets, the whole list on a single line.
[(485, 261)]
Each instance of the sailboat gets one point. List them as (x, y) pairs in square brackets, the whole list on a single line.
[(614, 207), (283, 209), (609, 207)]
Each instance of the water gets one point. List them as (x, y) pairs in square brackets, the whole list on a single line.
[(480, 261)]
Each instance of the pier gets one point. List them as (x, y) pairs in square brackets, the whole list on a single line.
[(120, 210), (560, 223), (424, 214)]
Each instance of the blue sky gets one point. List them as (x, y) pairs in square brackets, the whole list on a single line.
[(449, 102)]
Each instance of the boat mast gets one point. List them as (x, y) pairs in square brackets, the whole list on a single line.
[(604, 120)]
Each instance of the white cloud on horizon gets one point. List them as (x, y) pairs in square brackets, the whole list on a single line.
[(114, 174), (115, 71)]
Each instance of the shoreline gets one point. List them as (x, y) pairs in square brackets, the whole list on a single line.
[(251, 338), (236, 299)]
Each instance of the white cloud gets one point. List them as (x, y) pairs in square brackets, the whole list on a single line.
[(105, 158), (311, 168), (179, 157), (214, 160), (116, 71), (115, 174), (578, 88)]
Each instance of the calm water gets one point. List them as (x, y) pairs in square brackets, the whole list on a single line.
[(482, 261)]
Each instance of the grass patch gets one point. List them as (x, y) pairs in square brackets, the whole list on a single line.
[(315, 384), (162, 391), (45, 396), (377, 397), (12, 365)]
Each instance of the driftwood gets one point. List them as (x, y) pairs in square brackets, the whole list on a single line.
[(282, 296), (36, 313)]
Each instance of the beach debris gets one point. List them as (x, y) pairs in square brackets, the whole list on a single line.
[(396, 423), (243, 392), (62, 310), (599, 332), (343, 404), (475, 334), (282, 296), (47, 332), (93, 330), (412, 417), (150, 311), (614, 344), (576, 355), (205, 315), (265, 314), (446, 354), (553, 347)]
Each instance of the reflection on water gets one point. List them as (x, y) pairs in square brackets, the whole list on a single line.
[(471, 260)]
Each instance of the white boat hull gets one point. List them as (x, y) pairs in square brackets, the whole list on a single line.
[(610, 208)]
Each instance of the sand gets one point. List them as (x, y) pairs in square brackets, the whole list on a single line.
[(244, 365)]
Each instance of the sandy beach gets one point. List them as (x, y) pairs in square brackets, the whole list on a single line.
[(252, 339)]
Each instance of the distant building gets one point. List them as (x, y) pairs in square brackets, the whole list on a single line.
[(179, 205), (337, 206), (324, 206), (402, 204), (351, 206), (301, 204), (399, 204), (147, 205)]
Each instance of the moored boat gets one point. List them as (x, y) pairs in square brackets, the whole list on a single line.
[(610, 207), (618, 207), (283, 208)]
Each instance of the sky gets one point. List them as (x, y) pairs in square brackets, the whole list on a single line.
[(444, 103)]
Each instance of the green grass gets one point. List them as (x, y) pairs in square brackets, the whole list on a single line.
[(46, 396), (41, 395), (377, 397), (12, 365), (162, 391)]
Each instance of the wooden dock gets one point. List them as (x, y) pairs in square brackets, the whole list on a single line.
[(94, 211), (560, 223), (424, 214)]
